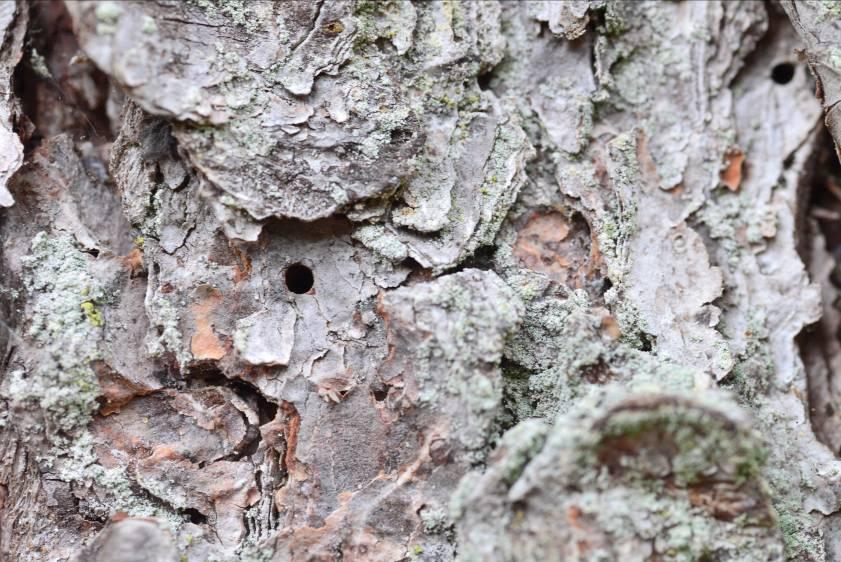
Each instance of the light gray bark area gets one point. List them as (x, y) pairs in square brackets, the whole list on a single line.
[(818, 26), (556, 282), (12, 29)]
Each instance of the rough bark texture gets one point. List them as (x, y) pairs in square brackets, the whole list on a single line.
[(391, 280)]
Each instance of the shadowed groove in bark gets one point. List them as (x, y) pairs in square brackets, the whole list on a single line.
[(209, 375), (53, 74), (820, 343)]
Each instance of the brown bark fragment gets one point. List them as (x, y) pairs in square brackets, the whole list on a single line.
[(205, 344), (731, 176)]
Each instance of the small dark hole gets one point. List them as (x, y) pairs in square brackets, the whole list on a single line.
[(782, 73), (597, 21), (484, 80), (384, 44), (412, 264), (299, 278), (379, 391), (400, 136), (196, 517)]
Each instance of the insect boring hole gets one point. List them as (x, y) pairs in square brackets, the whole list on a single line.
[(782, 73), (299, 278)]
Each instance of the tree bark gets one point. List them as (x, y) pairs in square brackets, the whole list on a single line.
[(392, 281)]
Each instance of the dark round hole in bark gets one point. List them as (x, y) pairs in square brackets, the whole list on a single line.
[(782, 73), (379, 391), (484, 80), (299, 278)]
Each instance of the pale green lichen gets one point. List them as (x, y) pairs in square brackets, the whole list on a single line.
[(108, 12), (503, 177), (59, 283), (253, 553), (78, 463), (466, 342), (93, 315), (753, 370), (732, 216), (827, 10), (800, 539), (697, 439), (435, 520), (626, 462), (107, 16), (557, 340), (149, 25), (521, 444)]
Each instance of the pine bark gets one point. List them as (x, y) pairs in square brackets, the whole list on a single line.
[(394, 281)]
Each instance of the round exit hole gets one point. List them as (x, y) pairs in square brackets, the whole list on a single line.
[(299, 278), (782, 73)]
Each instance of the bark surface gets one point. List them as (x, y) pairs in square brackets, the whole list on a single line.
[(420, 281)]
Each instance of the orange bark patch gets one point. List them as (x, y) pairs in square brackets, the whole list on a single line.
[(205, 344), (539, 243), (133, 262), (559, 247), (610, 327), (731, 176), (116, 389), (293, 425), (243, 267)]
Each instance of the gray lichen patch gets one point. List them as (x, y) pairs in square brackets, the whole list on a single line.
[(240, 12), (560, 341), (382, 242), (462, 321), (613, 483), (63, 292)]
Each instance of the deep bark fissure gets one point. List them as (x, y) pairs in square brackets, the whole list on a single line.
[(821, 243)]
